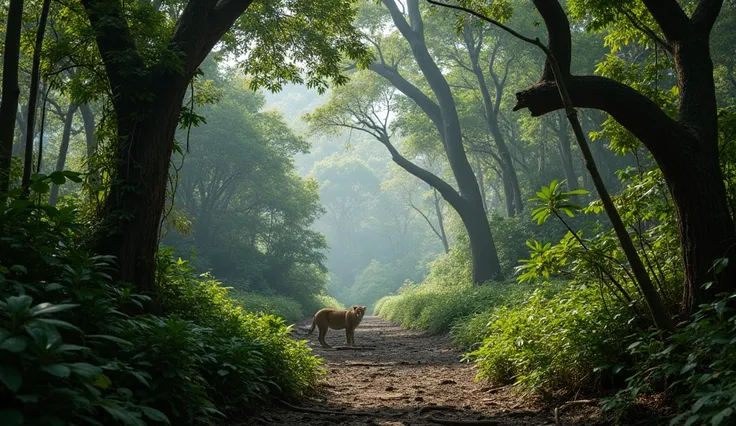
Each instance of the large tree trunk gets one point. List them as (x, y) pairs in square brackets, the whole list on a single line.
[(486, 265), (147, 104), (11, 92), (63, 149), (686, 150), (134, 215), (481, 184)]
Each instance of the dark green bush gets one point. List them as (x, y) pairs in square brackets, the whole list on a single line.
[(75, 349), (696, 367), (556, 343)]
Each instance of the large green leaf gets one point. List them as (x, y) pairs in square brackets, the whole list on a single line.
[(48, 308), (58, 370), (18, 304), (155, 415), (10, 378), (14, 344)]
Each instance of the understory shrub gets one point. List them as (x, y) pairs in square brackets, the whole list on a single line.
[(436, 309), (549, 344), (75, 349), (696, 367), (180, 275)]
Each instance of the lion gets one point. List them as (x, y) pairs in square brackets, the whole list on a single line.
[(337, 320)]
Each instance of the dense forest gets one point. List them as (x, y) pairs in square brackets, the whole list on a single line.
[(549, 184)]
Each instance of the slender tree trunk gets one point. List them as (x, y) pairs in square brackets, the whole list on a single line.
[(33, 96), (563, 145), (481, 184), (508, 191), (89, 129), (11, 92), (63, 149), (440, 221), (511, 181)]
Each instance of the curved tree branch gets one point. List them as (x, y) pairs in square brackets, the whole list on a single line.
[(705, 15), (670, 17), (411, 91), (448, 192), (624, 103)]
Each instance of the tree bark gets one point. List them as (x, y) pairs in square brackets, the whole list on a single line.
[(481, 184), (11, 92), (685, 149), (133, 215), (33, 95), (63, 149)]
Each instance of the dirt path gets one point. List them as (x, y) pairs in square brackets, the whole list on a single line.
[(407, 378)]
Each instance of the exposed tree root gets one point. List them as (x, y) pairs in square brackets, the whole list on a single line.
[(325, 412), (350, 348), (449, 422), (368, 364), (429, 408)]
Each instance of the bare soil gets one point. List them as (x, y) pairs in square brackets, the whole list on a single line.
[(403, 377)]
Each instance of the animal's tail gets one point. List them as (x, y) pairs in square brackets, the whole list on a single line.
[(314, 324)]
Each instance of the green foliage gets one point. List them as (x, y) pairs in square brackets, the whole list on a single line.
[(250, 214), (696, 366), (644, 208), (75, 351), (552, 342), (288, 309), (377, 280), (444, 298), (554, 201)]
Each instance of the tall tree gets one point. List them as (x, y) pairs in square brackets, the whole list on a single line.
[(147, 92), (33, 96), (11, 91), (685, 148), (443, 114), (63, 149), (366, 104), (474, 44)]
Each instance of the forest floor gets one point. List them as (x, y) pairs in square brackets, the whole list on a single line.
[(403, 377)]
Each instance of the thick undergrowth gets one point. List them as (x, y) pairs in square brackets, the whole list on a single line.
[(77, 349)]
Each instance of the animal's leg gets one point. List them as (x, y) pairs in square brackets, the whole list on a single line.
[(322, 334), (351, 337)]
